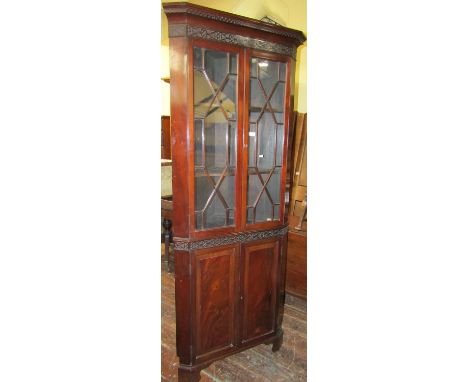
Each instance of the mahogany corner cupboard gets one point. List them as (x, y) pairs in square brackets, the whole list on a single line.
[(232, 85)]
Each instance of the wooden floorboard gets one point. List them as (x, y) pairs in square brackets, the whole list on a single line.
[(256, 364)]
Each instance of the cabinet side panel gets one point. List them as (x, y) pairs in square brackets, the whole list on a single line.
[(281, 280), (215, 280), (259, 292), (183, 305), (179, 127), (289, 136)]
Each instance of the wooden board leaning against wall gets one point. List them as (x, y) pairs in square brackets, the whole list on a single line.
[(296, 270)]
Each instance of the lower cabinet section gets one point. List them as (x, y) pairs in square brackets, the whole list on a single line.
[(228, 298), (215, 299), (258, 294)]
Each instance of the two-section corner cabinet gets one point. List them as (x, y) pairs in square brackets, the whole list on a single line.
[(232, 83)]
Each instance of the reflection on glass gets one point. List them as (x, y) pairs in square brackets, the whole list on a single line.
[(215, 113), (266, 139)]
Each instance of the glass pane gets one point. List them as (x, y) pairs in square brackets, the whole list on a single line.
[(226, 188), (255, 186), (231, 216), (257, 98), (202, 190), (268, 74), (215, 137), (215, 214), (228, 96), (276, 214), (266, 142), (274, 184), (266, 139), (197, 57), (198, 219), (277, 99), (233, 63), (216, 65), (280, 145), (198, 142), (264, 209), (282, 71), (250, 215), (215, 142), (252, 143), (279, 118), (203, 94), (253, 68), (232, 144)]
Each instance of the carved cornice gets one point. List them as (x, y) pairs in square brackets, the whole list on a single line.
[(225, 17), (244, 237)]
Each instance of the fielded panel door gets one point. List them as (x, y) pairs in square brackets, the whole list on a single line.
[(258, 288), (216, 296)]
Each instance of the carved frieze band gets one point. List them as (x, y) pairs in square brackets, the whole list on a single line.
[(180, 30), (185, 245), (230, 38)]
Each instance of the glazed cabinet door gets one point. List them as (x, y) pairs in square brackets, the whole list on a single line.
[(259, 281), (266, 125), (215, 135), (216, 299)]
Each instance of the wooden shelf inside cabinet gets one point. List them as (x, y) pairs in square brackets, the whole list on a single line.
[(229, 211)]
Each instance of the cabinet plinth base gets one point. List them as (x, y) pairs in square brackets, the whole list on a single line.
[(192, 373), (277, 342), (189, 374)]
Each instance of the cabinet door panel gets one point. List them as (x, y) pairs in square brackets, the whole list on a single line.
[(267, 110), (215, 278), (215, 109), (259, 281)]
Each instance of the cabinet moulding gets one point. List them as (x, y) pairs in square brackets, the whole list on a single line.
[(243, 237), (228, 18)]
